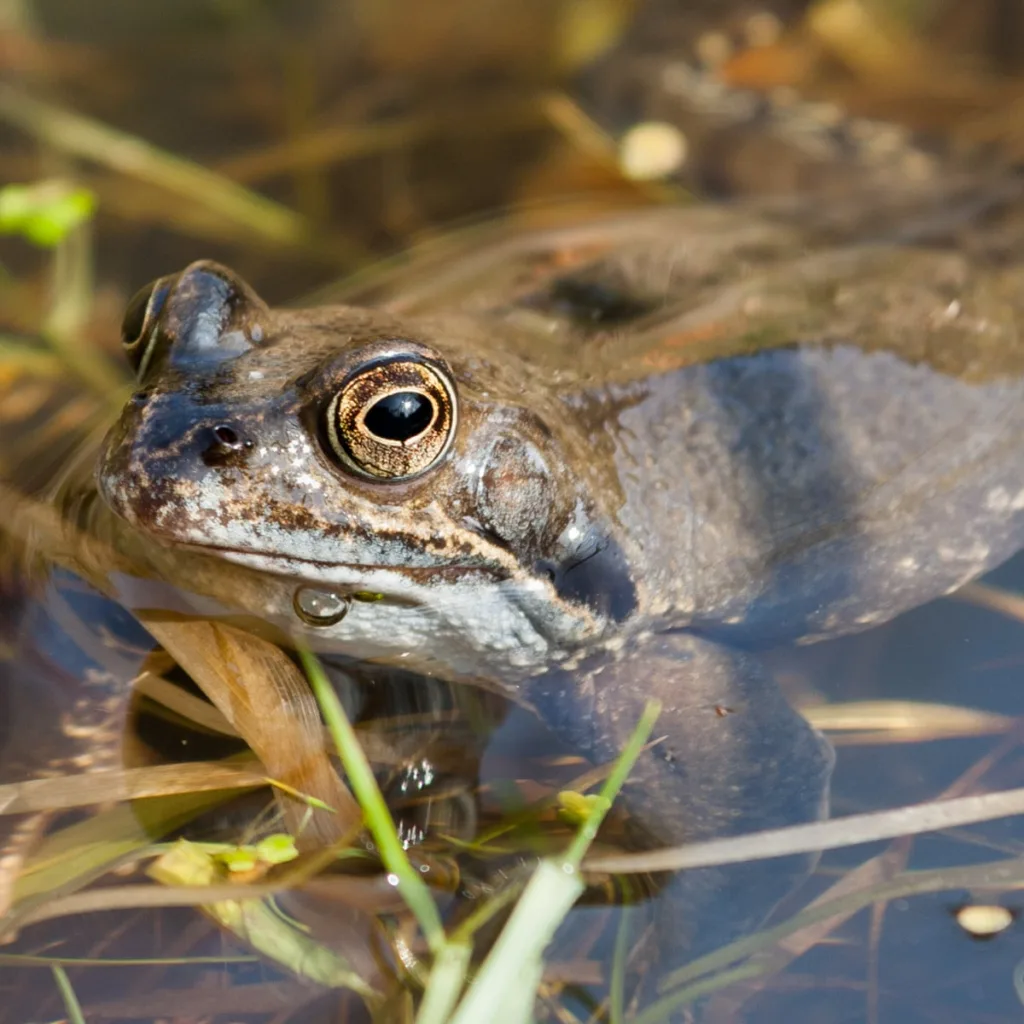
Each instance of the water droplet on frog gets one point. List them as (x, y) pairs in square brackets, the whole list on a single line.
[(320, 607)]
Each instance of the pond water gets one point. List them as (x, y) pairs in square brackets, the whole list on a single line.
[(366, 126)]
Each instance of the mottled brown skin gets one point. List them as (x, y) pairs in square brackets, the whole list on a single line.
[(680, 436)]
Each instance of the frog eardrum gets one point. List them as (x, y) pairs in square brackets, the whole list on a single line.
[(393, 419)]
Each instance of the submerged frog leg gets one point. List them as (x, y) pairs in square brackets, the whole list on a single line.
[(65, 691), (64, 697), (733, 757)]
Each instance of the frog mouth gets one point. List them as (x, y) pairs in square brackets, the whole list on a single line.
[(327, 573)]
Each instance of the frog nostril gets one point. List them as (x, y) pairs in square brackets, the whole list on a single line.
[(227, 437), (226, 442)]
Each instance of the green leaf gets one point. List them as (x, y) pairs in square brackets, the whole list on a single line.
[(241, 858), (277, 849), (575, 807), (44, 212), (256, 922)]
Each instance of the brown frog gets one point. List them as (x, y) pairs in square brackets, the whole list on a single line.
[(591, 466)]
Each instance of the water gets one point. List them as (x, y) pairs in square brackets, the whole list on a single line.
[(275, 95)]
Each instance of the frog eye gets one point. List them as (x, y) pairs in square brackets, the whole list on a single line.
[(138, 328), (392, 420)]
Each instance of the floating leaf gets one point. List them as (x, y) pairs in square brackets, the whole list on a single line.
[(277, 849), (575, 807), (254, 921), (241, 858)]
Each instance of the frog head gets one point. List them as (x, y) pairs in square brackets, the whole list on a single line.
[(405, 474)]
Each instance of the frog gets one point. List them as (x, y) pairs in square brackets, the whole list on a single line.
[(589, 465)]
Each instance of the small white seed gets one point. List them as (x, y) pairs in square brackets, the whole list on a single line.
[(983, 921), (651, 150)]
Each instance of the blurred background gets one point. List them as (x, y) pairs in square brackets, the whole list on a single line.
[(369, 123)]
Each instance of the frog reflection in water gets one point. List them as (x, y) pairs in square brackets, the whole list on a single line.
[(593, 466)]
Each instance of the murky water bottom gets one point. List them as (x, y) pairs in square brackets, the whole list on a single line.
[(911, 963), (915, 962)]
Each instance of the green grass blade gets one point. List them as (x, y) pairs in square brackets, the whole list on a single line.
[(664, 1010), (479, 917), (617, 984), (71, 1003), (447, 977), (549, 896), (506, 985), (74, 856), (28, 960), (83, 137), (378, 818), (612, 785)]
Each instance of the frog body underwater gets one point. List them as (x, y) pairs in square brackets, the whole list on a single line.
[(591, 466)]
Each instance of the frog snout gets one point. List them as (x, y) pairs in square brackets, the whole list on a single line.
[(139, 488), (157, 455)]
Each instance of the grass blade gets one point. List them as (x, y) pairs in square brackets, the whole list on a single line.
[(825, 835), (377, 816), (91, 140), (612, 785), (71, 1003), (447, 977), (512, 971), (516, 957)]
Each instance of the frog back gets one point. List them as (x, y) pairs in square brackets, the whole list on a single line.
[(794, 439)]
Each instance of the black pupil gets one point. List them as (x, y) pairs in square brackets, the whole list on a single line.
[(399, 416)]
